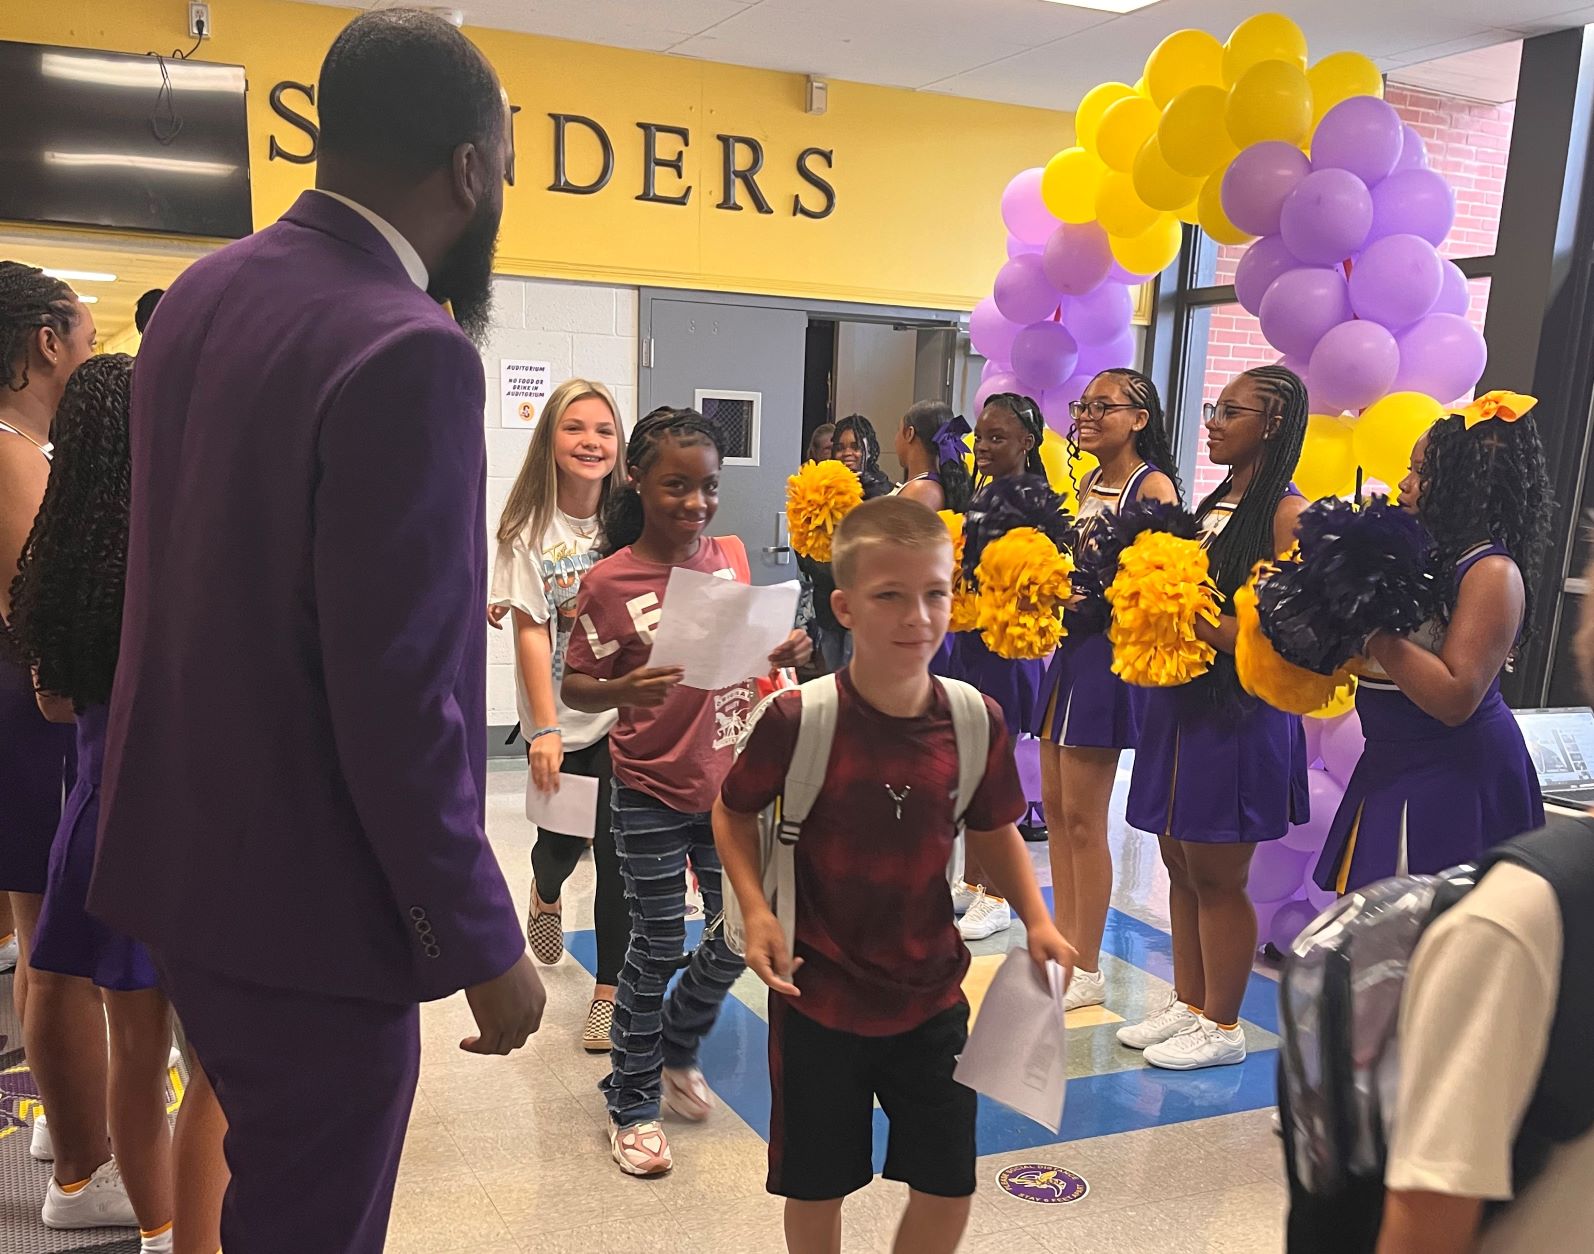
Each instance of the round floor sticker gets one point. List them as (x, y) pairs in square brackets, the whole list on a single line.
[(1043, 1183)]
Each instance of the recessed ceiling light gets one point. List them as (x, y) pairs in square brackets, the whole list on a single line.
[(1106, 6), (88, 300), (80, 276)]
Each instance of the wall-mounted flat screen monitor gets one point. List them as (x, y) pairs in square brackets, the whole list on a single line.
[(133, 143)]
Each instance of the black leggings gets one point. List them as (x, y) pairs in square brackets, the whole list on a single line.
[(555, 855)]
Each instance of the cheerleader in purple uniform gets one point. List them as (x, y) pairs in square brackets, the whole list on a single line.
[(1087, 715), (1217, 771), (66, 624), (1007, 441), (1446, 773), (930, 448)]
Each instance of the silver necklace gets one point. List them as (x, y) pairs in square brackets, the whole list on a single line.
[(899, 797)]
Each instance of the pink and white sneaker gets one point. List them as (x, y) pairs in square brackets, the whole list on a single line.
[(640, 1149), (686, 1094)]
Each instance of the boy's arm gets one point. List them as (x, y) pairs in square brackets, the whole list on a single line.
[(646, 687), (1006, 862), (769, 956)]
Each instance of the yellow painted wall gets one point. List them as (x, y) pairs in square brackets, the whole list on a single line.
[(917, 176)]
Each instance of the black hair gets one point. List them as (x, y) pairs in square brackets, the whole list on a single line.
[(926, 418), (66, 601), (1028, 414), (1486, 483), (29, 299), (145, 308), (402, 89), (1247, 538), (622, 512), (1153, 443), (875, 481)]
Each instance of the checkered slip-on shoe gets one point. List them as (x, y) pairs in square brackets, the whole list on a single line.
[(600, 1020), (545, 930)]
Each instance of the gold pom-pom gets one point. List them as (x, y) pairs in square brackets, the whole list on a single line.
[(1162, 587), (1023, 583), (965, 610), (818, 497), (1264, 674)]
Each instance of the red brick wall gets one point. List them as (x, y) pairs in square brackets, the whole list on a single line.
[(1468, 144)]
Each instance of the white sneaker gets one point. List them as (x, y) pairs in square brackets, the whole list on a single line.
[(42, 1147), (986, 917), (686, 1093), (963, 897), (156, 1245), (1173, 1018), (1087, 988), (1205, 1045), (101, 1203), (8, 954), (640, 1149)]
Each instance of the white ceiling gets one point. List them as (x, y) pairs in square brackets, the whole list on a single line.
[(1018, 51)]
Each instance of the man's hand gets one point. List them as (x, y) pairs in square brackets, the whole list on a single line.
[(1046, 942), (507, 1010), (767, 953), (546, 754), (647, 687), (795, 652), (496, 615)]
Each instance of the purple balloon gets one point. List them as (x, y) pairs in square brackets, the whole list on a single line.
[(1455, 297), (1342, 746), (1320, 898), (1017, 247), (1021, 291), (1352, 366), (1362, 135), (1099, 315), (1054, 404), (1290, 921), (1004, 381), (1276, 872), (994, 367), (1257, 182), (1414, 202), (1396, 280), (1094, 358), (1442, 356), (1028, 219), (1327, 217), (1077, 258), (1300, 306), (990, 333), (1044, 356), (1119, 275), (1263, 262), (1413, 152), (1326, 794)]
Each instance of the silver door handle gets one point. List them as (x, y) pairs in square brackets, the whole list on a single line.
[(777, 548)]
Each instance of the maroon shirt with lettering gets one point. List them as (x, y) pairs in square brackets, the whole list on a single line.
[(880, 950)]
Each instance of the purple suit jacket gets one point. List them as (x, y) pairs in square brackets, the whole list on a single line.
[(294, 779)]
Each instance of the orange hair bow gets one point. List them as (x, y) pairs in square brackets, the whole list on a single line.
[(1506, 406)]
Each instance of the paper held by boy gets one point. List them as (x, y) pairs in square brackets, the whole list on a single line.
[(1017, 1051), (721, 632), (571, 810)]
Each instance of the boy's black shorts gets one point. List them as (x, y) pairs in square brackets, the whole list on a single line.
[(822, 1088)]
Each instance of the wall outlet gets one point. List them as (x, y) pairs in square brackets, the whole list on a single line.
[(199, 21)]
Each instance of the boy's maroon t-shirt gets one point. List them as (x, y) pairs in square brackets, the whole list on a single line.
[(880, 948)]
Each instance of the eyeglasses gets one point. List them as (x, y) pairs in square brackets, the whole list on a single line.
[(1211, 416), (1096, 409)]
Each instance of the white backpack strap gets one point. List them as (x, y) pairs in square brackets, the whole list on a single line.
[(971, 726), (805, 777)]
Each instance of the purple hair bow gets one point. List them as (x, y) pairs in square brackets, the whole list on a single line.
[(948, 440)]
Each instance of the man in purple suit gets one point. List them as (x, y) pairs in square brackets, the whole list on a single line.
[(294, 783)]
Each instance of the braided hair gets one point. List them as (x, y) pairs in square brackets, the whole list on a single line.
[(66, 601), (623, 518), (1028, 414), (1152, 443), (875, 481), (1487, 482), (29, 299), (926, 418), (1247, 538)]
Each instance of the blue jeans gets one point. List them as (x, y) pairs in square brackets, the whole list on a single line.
[(650, 1032)]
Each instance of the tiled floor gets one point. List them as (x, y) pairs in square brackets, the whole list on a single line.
[(510, 1154)]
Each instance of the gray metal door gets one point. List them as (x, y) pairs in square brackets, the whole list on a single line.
[(742, 365)]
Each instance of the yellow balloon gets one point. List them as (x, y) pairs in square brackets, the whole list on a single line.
[(1069, 185), (1328, 458), (1186, 58), (1063, 472), (1209, 209), (1192, 134), (1272, 100), (1388, 428), (1339, 76), (1096, 103), (1342, 704), (1119, 208), (1265, 37), (1189, 213), (1126, 125), (1158, 183), (1152, 251), (1140, 87)]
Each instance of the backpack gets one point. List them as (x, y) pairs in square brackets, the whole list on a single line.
[(780, 824), (1339, 1062)]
